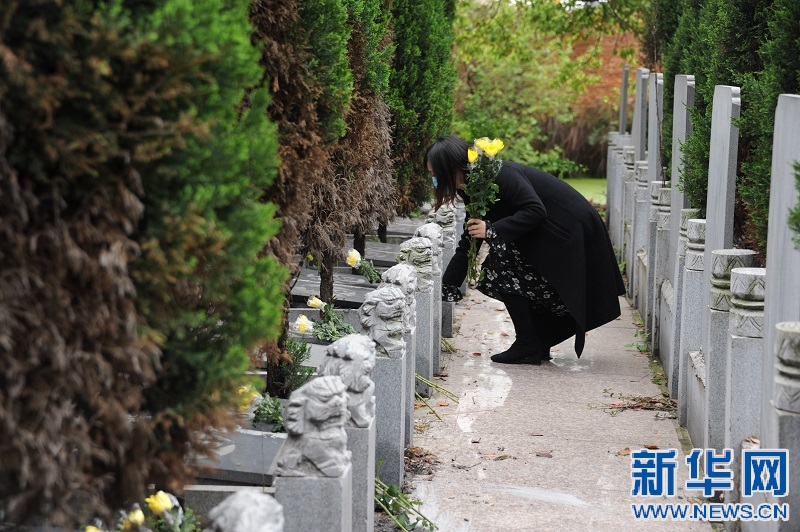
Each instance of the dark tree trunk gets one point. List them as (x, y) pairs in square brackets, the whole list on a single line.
[(326, 278), (359, 242)]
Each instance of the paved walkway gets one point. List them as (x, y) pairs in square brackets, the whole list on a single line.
[(541, 448)]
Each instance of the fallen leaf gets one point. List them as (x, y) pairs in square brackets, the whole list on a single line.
[(500, 309), (442, 403), (535, 434), (487, 453), (502, 457), (545, 454), (476, 440), (503, 334), (442, 375), (651, 446), (624, 452), (618, 403), (476, 354)]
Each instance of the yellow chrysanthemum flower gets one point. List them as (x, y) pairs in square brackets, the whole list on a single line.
[(315, 302), (482, 143), (303, 324), (353, 258), (160, 502), (246, 395), (493, 147), (472, 155), (135, 518)]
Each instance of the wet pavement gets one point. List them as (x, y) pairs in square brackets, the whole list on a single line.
[(540, 448)]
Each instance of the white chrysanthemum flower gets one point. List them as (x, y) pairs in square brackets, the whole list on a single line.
[(303, 325), (353, 258)]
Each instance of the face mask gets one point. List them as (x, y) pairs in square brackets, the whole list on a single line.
[(435, 182)]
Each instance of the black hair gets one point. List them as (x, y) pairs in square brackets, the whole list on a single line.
[(447, 156)]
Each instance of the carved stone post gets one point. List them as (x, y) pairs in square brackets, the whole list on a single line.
[(641, 222), (659, 258), (673, 369), (628, 204), (418, 253), (313, 466), (786, 402), (691, 334), (745, 336), (722, 262), (404, 277), (433, 232), (352, 358), (445, 217), (383, 319)]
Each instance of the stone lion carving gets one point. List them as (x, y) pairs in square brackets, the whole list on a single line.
[(418, 252), (247, 510), (445, 217), (433, 233), (383, 317), (314, 419), (353, 358), (404, 276)]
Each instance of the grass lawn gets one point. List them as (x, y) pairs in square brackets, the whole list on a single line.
[(592, 188)]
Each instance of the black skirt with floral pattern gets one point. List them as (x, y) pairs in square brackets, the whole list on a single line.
[(506, 271)]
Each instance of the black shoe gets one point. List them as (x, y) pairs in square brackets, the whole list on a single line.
[(519, 354)]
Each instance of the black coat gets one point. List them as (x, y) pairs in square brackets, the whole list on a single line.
[(560, 233)]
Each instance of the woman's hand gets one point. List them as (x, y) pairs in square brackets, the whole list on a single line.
[(476, 228)]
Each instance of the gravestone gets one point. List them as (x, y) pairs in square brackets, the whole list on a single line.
[(623, 101), (721, 182), (348, 290), (681, 129), (243, 457), (719, 235), (616, 191), (781, 302), (445, 217), (639, 128), (716, 357), (655, 182), (691, 333)]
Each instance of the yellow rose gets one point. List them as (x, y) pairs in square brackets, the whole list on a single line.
[(499, 144), (309, 257), (353, 258), (482, 143), (91, 528), (159, 503), (472, 155), (315, 302), (303, 324)]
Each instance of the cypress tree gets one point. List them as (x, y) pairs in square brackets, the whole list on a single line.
[(130, 283), (421, 89), (780, 54)]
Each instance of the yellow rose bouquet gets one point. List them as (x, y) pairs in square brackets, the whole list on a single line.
[(482, 190)]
